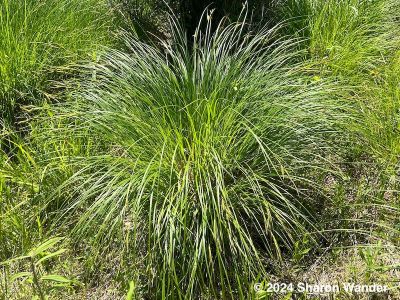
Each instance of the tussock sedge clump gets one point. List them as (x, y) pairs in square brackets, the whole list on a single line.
[(208, 150)]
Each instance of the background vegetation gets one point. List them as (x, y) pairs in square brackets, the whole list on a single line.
[(190, 149)]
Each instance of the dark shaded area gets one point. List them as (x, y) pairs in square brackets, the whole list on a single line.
[(191, 12), (148, 17)]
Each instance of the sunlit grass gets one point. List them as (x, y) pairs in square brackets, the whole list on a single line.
[(210, 149), (195, 170), (36, 37)]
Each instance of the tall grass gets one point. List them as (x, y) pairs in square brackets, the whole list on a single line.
[(357, 42), (194, 167), (207, 154), (38, 42), (347, 37), (38, 36)]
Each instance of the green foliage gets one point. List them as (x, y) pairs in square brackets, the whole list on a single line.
[(17, 185), (38, 39), (209, 152), (347, 37), (131, 291), (36, 277), (200, 164), (356, 41)]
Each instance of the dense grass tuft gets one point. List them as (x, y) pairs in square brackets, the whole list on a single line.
[(193, 166), (208, 153)]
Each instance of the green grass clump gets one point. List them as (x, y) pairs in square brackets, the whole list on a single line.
[(38, 36), (208, 152), (192, 167)]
